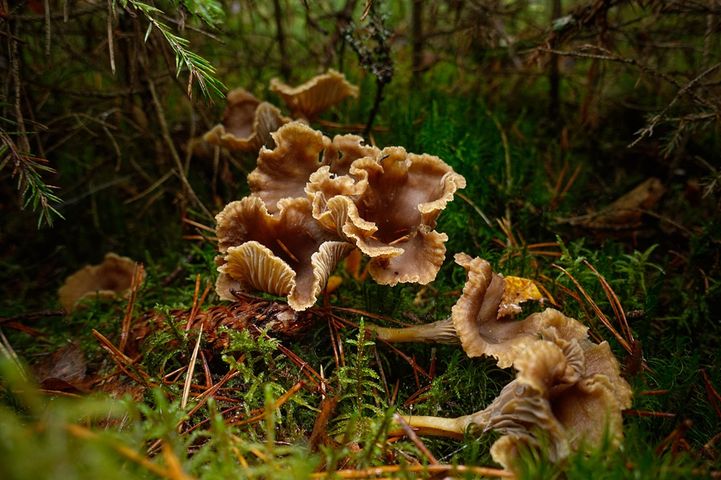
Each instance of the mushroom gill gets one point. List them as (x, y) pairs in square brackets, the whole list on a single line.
[(112, 277), (387, 206), (313, 97), (247, 123), (284, 254)]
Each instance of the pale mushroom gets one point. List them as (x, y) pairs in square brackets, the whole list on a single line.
[(111, 278), (388, 206), (283, 171), (476, 321), (300, 151), (284, 254), (247, 123), (313, 97), (564, 397)]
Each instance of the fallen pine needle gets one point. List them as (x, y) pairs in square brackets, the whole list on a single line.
[(386, 469), (125, 451)]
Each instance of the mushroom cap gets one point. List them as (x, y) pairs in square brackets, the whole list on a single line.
[(284, 171), (316, 95), (240, 112), (284, 254), (550, 399), (387, 206), (106, 280), (247, 123), (346, 149), (482, 331)]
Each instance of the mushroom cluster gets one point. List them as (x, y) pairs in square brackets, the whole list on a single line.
[(565, 396), (568, 391), (313, 199), (247, 122)]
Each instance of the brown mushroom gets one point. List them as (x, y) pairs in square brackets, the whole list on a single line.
[(313, 97), (284, 254), (300, 151), (388, 207), (247, 123), (111, 278), (476, 321), (283, 171), (564, 396)]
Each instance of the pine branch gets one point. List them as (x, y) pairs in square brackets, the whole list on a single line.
[(199, 69), (33, 190)]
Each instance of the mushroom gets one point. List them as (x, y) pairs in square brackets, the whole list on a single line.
[(387, 205), (112, 277), (300, 151), (284, 254), (283, 171), (308, 100), (564, 397), (476, 321), (247, 123)]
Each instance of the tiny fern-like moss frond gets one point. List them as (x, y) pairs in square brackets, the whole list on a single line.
[(361, 398)]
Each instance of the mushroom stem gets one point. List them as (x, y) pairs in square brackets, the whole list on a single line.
[(447, 427), (441, 331)]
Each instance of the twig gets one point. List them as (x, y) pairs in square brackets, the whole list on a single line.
[(32, 316), (414, 438), (506, 160), (282, 400), (136, 280), (121, 360), (453, 470), (280, 39), (647, 131), (191, 369), (601, 316), (206, 395), (476, 208), (615, 303), (380, 85), (48, 31), (173, 151), (125, 451), (111, 49), (6, 350)]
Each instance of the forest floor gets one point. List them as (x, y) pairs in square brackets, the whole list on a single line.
[(626, 239), (106, 391)]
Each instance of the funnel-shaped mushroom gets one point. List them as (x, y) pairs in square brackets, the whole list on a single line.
[(308, 100), (388, 208), (284, 254), (247, 123), (284, 171), (476, 322), (109, 279), (563, 397)]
